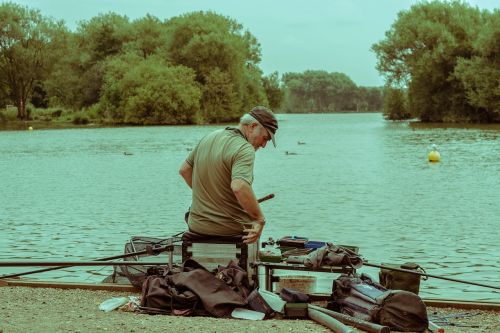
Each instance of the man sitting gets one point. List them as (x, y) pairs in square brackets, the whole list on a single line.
[(220, 172)]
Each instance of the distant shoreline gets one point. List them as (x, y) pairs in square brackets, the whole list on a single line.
[(484, 126), (23, 125)]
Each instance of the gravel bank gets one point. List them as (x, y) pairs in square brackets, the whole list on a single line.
[(53, 310)]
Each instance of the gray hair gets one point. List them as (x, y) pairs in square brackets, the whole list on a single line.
[(247, 119)]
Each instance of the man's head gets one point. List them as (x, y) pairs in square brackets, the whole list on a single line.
[(262, 125)]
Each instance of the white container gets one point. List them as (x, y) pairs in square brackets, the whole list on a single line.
[(274, 301), (113, 303), (241, 313)]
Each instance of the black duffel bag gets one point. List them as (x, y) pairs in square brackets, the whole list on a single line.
[(161, 296), (361, 297)]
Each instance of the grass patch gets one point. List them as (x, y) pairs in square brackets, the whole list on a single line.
[(8, 113), (80, 118), (53, 117)]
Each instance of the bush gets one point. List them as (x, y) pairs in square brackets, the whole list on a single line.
[(80, 118), (57, 113), (48, 114), (92, 112), (10, 113), (29, 112), (149, 93), (395, 104)]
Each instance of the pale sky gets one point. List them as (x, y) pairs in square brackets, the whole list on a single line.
[(295, 35)]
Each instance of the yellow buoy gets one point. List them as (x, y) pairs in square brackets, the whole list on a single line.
[(434, 156), (30, 128)]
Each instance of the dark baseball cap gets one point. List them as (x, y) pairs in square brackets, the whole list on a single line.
[(266, 118)]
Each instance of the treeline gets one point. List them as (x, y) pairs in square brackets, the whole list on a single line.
[(442, 63), (322, 92), (196, 68), (440, 59)]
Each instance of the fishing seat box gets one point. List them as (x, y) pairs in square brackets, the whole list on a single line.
[(212, 251)]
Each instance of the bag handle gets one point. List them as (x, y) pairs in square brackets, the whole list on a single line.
[(415, 267)]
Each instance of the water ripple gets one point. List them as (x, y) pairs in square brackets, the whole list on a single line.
[(74, 195)]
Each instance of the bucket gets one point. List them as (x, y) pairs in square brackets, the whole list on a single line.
[(302, 283)]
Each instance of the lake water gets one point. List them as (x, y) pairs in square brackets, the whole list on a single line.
[(357, 179)]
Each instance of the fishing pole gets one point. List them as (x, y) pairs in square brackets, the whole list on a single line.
[(62, 264), (152, 250), (157, 250), (267, 197), (430, 275)]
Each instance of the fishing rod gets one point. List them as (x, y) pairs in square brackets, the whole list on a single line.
[(147, 251), (151, 250), (430, 275), (62, 264), (267, 197)]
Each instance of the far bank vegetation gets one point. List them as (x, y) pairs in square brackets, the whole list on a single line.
[(203, 67), (441, 61)]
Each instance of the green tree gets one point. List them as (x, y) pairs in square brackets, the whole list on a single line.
[(252, 91), (138, 91), (98, 39), (480, 75), (4, 94), (103, 36), (319, 91), (220, 100), (148, 36), (370, 99), (343, 92), (39, 97), (274, 92), (395, 104), (219, 52), (27, 40), (63, 84), (420, 52), (295, 93), (77, 77)]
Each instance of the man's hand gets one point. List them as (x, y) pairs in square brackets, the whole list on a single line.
[(253, 234)]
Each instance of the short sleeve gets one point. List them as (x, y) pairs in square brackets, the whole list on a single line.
[(242, 167), (192, 154)]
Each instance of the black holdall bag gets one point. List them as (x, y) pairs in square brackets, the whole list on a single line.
[(160, 296), (290, 295), (360, 297)]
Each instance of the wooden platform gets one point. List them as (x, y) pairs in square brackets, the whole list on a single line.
[(462, 304), (68, 285), (438, 303)]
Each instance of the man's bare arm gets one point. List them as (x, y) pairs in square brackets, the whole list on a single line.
[(186, 171), (244, 193), (246, 197)]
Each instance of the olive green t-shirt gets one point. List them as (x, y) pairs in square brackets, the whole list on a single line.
[(219, 158)]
